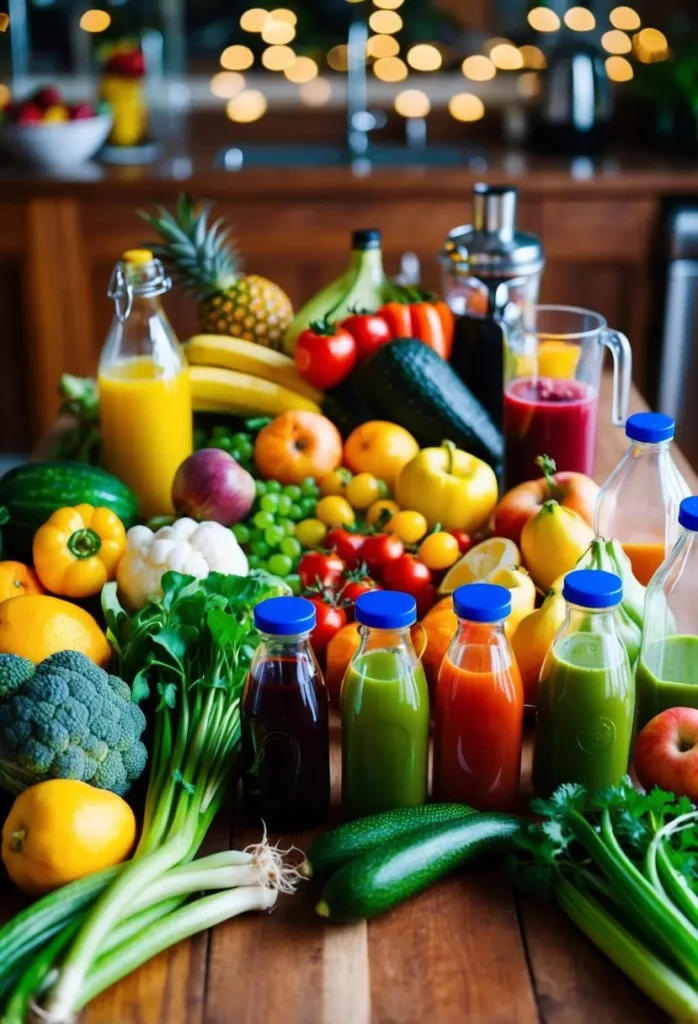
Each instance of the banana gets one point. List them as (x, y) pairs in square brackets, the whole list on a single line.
[(248, 357), (609, 555), (240, 394)]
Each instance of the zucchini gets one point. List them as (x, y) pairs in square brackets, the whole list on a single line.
[(408, 383), (391, 873), (332, 849), (32, 492)]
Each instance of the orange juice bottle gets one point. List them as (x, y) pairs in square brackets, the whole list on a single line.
[(144, 392)]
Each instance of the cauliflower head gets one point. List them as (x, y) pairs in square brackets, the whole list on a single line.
[(67, 718)]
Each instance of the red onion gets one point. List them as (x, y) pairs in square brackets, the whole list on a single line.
[(210, 485)]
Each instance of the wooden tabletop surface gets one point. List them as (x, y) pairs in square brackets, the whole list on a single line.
[(467, 950)]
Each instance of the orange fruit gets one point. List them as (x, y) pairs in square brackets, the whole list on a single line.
[(18, 580), (37, 626), (380, 448), (296, 445)]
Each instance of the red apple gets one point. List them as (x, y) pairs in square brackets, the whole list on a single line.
[(81, 111), (573, 490), (47, 96), (28, 113), (666, 752)]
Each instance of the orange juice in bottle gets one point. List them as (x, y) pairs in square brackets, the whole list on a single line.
[(144, 392)]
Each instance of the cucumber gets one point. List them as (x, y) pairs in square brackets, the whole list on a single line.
[(408, 383), (32, 492), (378, 880), (335, 848)]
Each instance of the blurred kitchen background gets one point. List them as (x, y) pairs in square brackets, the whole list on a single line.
[(306, 121)]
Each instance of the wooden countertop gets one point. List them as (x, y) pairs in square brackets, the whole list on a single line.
[(468, 949)]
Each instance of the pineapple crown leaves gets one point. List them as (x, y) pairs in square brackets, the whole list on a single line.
[(198, 254)]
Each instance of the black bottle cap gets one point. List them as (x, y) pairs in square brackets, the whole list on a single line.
[(366, 238)]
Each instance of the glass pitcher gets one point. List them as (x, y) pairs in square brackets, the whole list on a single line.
[(552, 380)]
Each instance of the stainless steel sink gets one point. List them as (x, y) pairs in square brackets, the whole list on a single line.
[(236, 158)]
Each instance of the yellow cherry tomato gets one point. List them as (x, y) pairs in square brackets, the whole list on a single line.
[(409, 526), (311, 532), (335, 511), (439, 550), (383, 507), (362, 490), (335, 482)]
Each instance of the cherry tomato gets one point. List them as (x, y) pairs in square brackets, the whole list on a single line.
[(362, 490), (465, 541), (439, 550), (310, 532), (380, 549), (383, 509), (409, 526), (329, 619), (325, 354), (317, 566), (408, 574), (335, 511), (347, 545), (355, 588), (335, 482), (370, 332)]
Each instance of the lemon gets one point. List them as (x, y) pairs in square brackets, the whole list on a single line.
[(481, 562), (522, 590)]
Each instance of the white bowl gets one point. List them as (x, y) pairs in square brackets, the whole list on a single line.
[(60, 145)]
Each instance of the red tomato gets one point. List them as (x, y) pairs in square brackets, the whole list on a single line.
[(325, 355), (370, 332), (348, 545), (315, 568), (465, 541), (355, 588), (408, 574), (329, 620), (380, 549)]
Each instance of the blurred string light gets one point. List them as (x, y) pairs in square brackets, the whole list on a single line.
[(478, 68), (385, 22), (625, 18), (237, 58), (247, 106), (615, 41), (506, 57), (278, 32), (650, 46), (528, 84), (227, 84), (283, 14), (412, 103), (4, 23), (278, 58), (390, 69), (466, 106), (303, 69), (254, 19), (496, 41), (5, 93), (542, 19), (316, 92), (580, 19), (424, 57), (619, 69), (533, 57), (95, 21), (382, 46), (338, 57), (388, 5)]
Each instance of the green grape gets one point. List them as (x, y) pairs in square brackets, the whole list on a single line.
[(239, 438), (289, 527), (256, 534), (254, 561), (308, 506), (263, 519), (260, 548), (309, 487), (284, 504), (273, 487), (260, 488), (294, 583), (280, 565), (273, 535), (295, 513), (291, 547), (220, 431), (241, 533), (236, 455), (244, 446), (269, 503), (293, 492)]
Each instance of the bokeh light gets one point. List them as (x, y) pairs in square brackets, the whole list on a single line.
[(303, 69), (388, 5), (382, 46), (227, 84), (506, 57), (278, 58), (237, 58), (316, 92), (4, 23), (542, 19), (650, 46), (5, 92), (390, 69), (615, 41), (424, 57), (625, 18), (619, 69), (466, 106), (533, 57), (412, 103), (385, 22), (338, 57), (478, 68), (580, 19), (254, 19), (528, 84), (283, 14), (247, 106), (95, 21), (278, 32)]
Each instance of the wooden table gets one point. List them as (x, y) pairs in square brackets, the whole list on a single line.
[(468, 950)]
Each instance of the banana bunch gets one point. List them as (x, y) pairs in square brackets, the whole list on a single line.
[(609, 555), (234, 377)]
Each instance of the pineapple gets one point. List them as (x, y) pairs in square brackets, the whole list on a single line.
[(201, 258)]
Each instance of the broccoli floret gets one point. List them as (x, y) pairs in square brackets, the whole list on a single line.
[(67, 718)]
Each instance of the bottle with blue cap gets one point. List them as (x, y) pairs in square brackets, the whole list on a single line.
[(667, 673), (384, 706), (586, 694), (639, 503), (285, 721), (478, 717)]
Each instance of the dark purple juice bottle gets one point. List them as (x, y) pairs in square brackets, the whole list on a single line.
[(285, 721)]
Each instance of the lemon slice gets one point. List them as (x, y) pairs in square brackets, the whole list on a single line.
[(480, 563)]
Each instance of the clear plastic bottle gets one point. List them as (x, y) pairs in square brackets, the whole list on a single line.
[(285, 721), (478, 718), (667, 673), (384, 706), (144, 392), (586, 694), (639, 503)]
